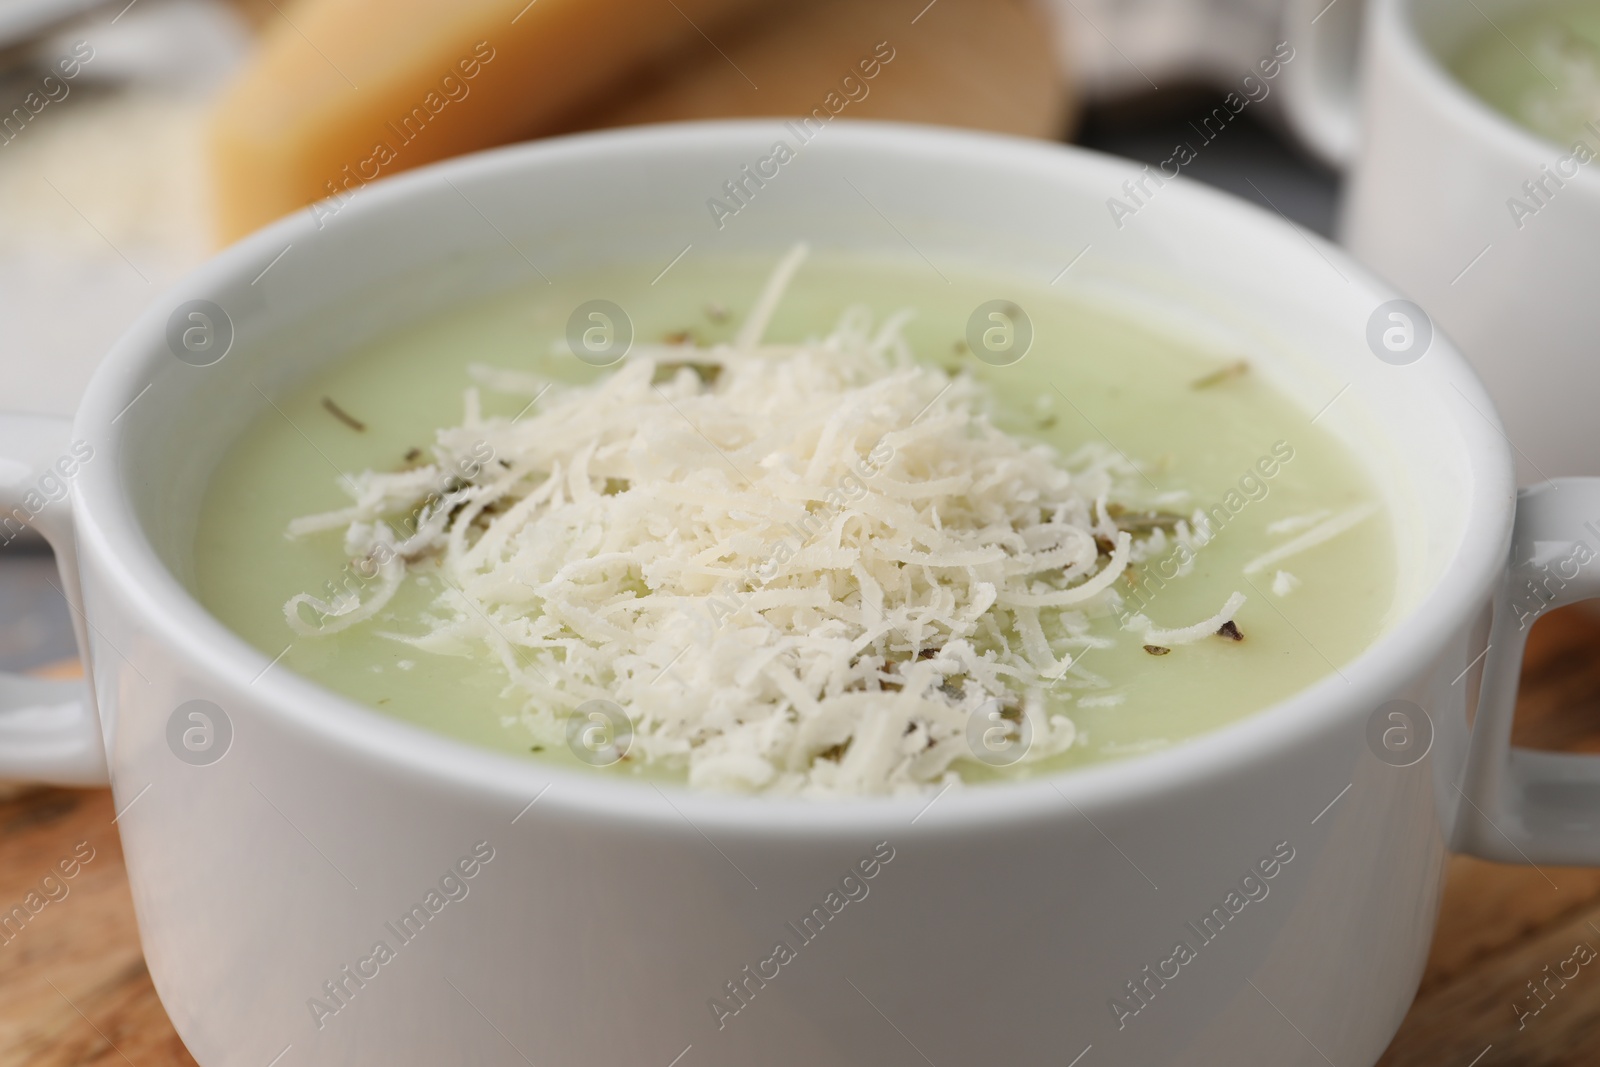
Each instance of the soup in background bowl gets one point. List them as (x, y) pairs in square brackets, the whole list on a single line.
[(1540, 67)]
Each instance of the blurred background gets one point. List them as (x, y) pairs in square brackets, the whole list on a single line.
[(192, 118), (139, 136), (127, 175)]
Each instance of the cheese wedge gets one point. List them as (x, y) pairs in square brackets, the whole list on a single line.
[(986, 64), (346, 91)]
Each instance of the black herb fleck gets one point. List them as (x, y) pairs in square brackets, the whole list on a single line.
[(1157, 650), (343, 416), (1217, 377), (1143, 522), (1230, 630), (707, 372)]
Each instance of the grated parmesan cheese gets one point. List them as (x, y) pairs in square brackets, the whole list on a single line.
[(1322, 532), (806, 573), (1284, 583), (1151, 634), (1296, 523)]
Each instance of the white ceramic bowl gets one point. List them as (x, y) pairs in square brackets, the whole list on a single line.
[(281, 847), (1487, 225)]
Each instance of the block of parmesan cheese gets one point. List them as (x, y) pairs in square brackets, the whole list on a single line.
[(984, 64), (346, 91)]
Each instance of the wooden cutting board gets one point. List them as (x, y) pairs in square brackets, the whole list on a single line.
[(76, 992)]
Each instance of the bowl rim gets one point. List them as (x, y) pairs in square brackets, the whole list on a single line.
[(109, 532)]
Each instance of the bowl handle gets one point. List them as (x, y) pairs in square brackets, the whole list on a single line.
[(49, 730), (1522, 806)]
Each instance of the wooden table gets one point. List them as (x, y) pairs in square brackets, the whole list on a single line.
[(76, 992)]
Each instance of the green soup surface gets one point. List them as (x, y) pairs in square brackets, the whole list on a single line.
[(1539, 67), (1197, 420)]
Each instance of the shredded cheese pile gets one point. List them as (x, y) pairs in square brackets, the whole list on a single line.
[(797, 568)]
